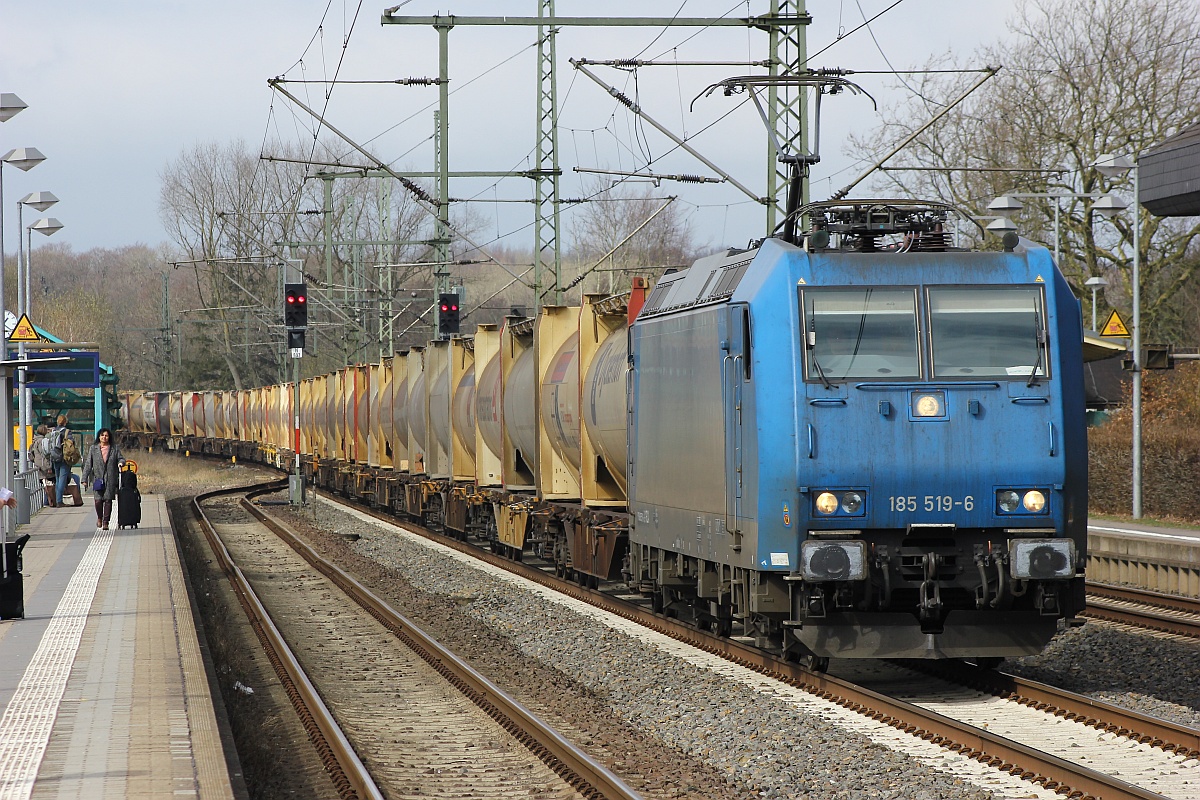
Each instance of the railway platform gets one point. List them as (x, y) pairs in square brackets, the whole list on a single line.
[(103, 687)]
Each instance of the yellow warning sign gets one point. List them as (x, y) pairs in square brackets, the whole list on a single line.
[(24, 331), (1115, 326)]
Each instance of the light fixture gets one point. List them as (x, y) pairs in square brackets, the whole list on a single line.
[(10, 106), (1109, 206), (1095, 283), (47, 226), (1110, 165), (24, 158), (39, 200), (1006, 204)]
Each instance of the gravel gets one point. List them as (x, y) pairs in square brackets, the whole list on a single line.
[(754, 744), (761, 747)]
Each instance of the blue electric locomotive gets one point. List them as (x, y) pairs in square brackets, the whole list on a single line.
[(866, 444)]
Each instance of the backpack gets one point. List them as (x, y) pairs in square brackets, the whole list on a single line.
[(46, 445), (53, 445), (41, 454), (70, 453)]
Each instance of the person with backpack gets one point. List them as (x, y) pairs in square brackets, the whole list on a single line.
[(40, 450), (101, 472), (64, 454)]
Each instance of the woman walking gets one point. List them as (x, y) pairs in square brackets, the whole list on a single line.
[(101, 472)]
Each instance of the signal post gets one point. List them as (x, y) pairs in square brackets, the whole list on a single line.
[(295, 320)]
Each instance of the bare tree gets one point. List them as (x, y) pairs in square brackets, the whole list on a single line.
[(628, 227), (1078, 80), (237, 218)]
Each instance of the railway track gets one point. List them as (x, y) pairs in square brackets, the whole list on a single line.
[(997, 720), (390, 711), (1178, 616)]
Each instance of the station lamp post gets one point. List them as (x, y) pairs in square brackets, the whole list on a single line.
[(1095, 283), (47, 226), (39, 201), (1112, 166)]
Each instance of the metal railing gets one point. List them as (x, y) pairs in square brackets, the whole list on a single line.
[(31, 496)]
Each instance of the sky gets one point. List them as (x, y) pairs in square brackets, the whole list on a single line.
[(118, 90)]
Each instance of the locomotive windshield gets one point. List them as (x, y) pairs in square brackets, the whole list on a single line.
[(987, 332), (861, 333)]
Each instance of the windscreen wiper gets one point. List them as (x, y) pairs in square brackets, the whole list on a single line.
[(811, 343), (1039, 337)]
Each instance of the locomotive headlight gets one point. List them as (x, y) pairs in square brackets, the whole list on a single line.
[(852, 502), (1034, 501), (1008, 500), (827, 502), (1041, 559), (833, 561), (928, 405)]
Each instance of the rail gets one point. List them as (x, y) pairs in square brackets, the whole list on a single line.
[(981, 745)]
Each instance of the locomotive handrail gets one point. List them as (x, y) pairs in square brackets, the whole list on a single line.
[(886, 387)]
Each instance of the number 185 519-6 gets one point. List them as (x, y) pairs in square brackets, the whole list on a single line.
[(930, 503)]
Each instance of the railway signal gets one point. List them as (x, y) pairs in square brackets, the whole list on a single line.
[(447, 314), (295, 306)]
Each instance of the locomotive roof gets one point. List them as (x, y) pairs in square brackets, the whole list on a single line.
[(711, 279)]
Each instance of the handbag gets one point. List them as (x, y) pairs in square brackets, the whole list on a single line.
[(98, 486)]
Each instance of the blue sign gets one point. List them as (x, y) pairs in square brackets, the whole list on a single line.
[(81, 371)]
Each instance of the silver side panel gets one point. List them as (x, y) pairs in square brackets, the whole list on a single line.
[(677, 472)]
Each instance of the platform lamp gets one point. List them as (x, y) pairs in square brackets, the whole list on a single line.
[(47, 226), (1095, 283), (39, 201), (1111, 166)]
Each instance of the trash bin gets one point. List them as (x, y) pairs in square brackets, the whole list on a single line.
[(12, 589)]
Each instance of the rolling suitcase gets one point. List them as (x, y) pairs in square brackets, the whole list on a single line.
[(12, 589), (129, 501)]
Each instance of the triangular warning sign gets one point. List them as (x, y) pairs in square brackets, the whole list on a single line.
[(24, 331), (1115, 326)]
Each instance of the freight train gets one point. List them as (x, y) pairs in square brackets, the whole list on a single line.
[(864, 443)]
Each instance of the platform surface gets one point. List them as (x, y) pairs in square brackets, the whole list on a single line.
[(103, 690)]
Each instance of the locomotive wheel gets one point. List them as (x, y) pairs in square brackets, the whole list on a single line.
[(815, 663), (656, 601)]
